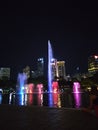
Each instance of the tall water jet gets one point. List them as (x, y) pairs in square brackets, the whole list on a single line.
[(50, 57)]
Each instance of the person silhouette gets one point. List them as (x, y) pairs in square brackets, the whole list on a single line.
[(93, 105)]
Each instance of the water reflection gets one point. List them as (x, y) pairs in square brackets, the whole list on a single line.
[(50, 100), (54, 100), (30, 99), (40, 99), (77, 98), (68, 100), (10, 98), (20, 99), (0, 98)]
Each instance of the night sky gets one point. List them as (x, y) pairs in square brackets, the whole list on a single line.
[(25, 29)]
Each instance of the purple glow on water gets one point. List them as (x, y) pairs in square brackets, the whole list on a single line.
[(69, 100), (77, 98), (50, 57)]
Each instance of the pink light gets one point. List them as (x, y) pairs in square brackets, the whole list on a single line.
[(30, 99), (55, 86), (40, 88), (96, 57), (40, 99), (30, 88), (55, 98)]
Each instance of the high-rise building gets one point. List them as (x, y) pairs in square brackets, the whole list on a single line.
[(40, 66), (4, 73), (93, 64), (54, 68), (61, 69), (58, 69)]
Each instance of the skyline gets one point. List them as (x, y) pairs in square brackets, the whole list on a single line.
[(25, 30)]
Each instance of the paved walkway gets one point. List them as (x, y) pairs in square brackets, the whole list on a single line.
[(43, 118)]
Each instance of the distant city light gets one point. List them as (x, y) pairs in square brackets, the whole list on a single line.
[(96, 57)]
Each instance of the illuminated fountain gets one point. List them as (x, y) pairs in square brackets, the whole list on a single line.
[(77, 94), (29, 88), (55, 86), (50, 57), (21, 83), (40, 88), (23, 88), (76, 87)]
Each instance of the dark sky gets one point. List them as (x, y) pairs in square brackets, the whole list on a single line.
[(25, 28)]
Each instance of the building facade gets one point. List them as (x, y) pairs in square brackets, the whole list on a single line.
[(58, 69), (40, 66), (4, 73), (93, 64)]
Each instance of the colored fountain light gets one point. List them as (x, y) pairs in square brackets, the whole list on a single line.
[(40, 88), (22, 87), (55, 86), (0, 98), (77, 98), (76, 87), (77, 94), (29, 88), (21, 83), (50, 57)]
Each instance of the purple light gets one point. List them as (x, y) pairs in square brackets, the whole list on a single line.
[(77, 97), (50, 57), (77, 94), (76, 87)]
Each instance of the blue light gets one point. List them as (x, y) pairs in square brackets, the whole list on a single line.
[(0, 98)]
